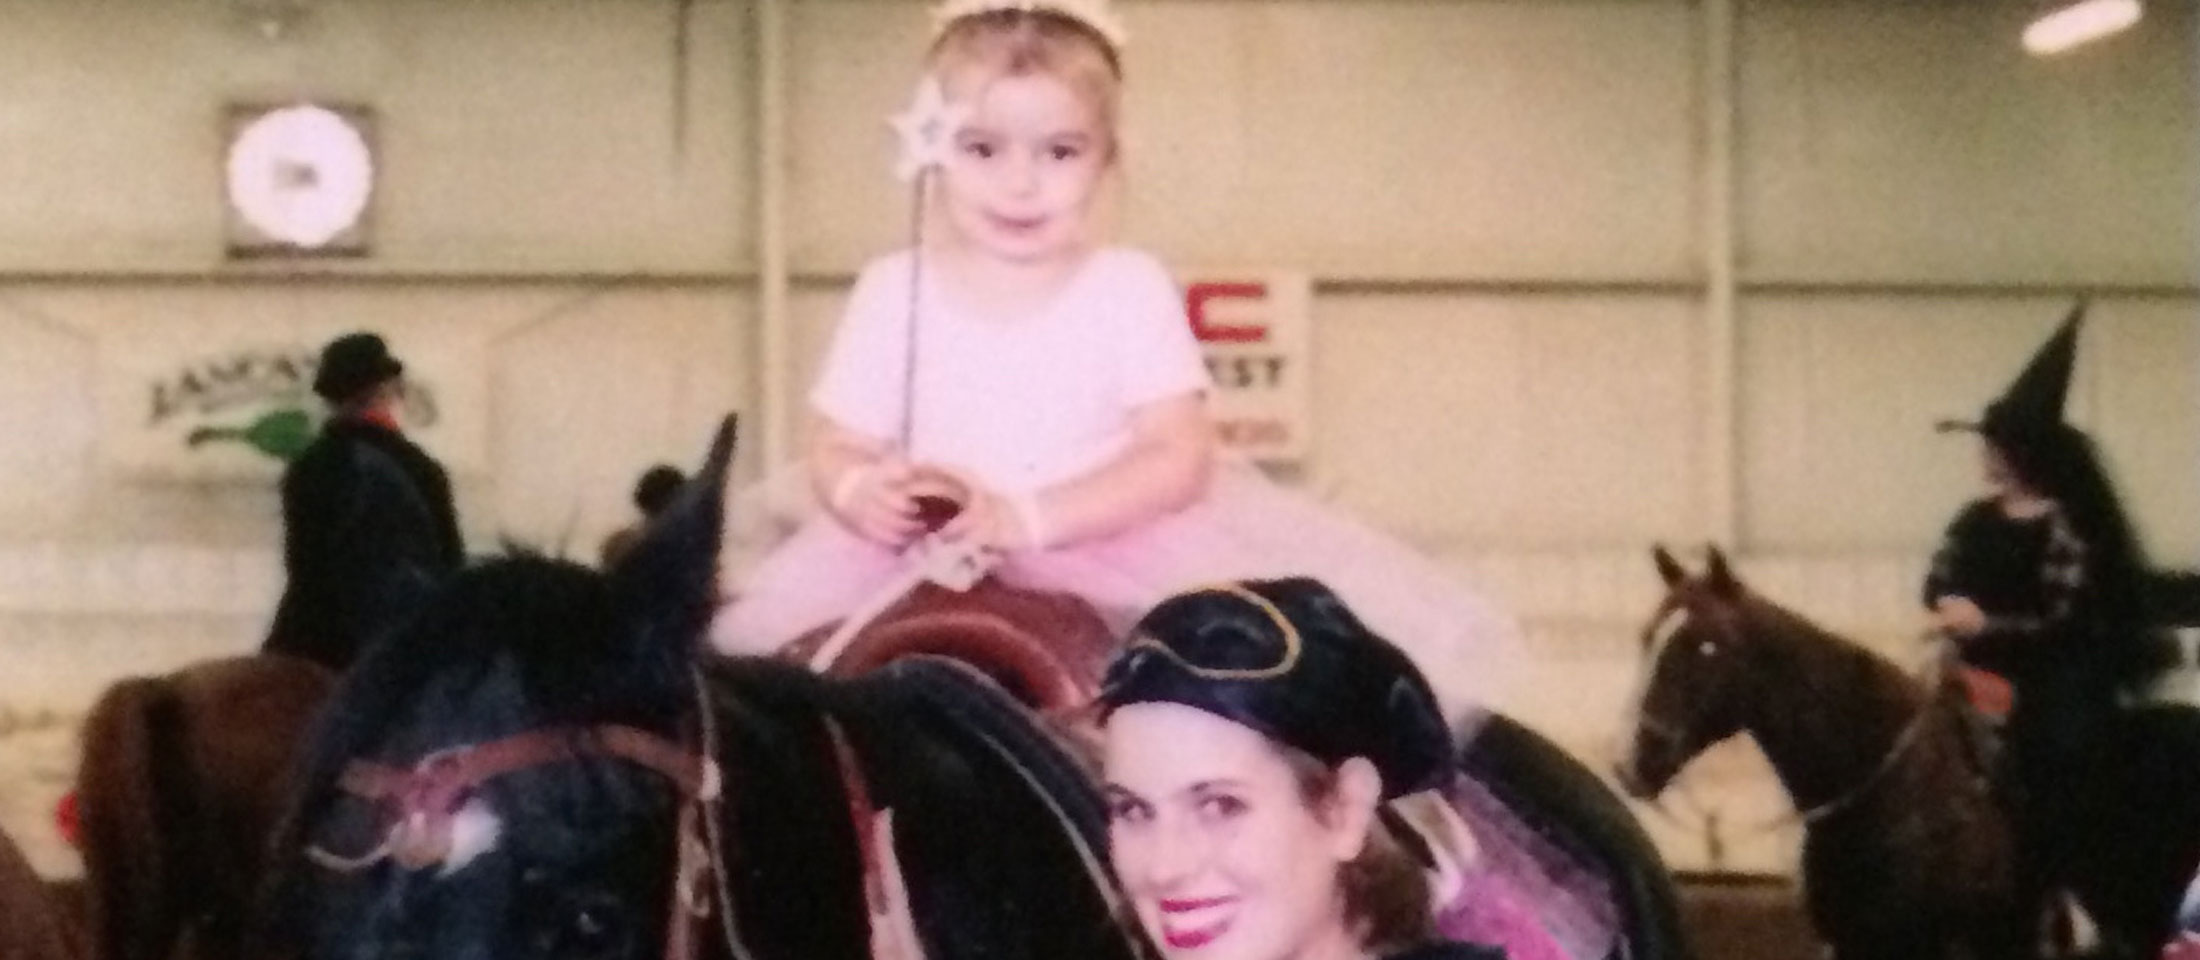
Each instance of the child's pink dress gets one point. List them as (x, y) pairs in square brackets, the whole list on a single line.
[(1027, 404)]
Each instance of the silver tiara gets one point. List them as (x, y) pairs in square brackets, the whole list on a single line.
[(1097, 14)]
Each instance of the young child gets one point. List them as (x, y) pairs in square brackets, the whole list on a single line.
[(1055, 381)]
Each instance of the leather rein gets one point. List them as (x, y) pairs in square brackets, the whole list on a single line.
[(1842, 800), (424, 801)]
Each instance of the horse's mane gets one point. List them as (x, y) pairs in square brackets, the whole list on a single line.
[(1829, 650)]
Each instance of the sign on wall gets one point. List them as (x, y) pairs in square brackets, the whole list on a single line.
[(1256, 329), (174, 406)]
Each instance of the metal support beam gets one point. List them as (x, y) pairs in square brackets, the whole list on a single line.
[(1719, 488), (771, 362)]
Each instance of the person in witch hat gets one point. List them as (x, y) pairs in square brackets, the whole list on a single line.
[(2040, 582), (368, 523)]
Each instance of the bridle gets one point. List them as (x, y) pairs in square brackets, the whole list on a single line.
[(422, 801), (1842, 800)]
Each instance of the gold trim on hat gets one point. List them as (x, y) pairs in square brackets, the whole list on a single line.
[(1293, 644)]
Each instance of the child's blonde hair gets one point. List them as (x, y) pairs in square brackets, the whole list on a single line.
[(976, 50)]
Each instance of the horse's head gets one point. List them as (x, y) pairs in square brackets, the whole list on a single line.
[(499, 777), (1696, 655)]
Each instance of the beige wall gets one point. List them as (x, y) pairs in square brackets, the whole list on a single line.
[(1507, 206), (515, 137)]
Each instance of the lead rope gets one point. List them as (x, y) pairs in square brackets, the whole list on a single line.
[(708, 806)]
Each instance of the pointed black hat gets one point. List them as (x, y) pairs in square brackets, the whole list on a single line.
[(2032, 407)]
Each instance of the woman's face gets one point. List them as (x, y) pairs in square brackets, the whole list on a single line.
[(1220, 852), (2001, 479)]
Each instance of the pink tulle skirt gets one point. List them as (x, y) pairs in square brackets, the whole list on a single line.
[(1524, 892), (1247, 527)]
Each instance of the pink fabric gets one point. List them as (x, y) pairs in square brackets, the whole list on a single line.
[(1022, 404), (1035, 402), (1247, 527), (1573, 904), (1489, 911)]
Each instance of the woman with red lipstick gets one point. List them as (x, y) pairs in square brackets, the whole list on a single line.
[(1255, 735)]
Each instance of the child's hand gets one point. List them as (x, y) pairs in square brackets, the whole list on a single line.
[(994, 521), (1958, 617), (874, 500)]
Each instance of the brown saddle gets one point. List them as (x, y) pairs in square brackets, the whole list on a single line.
[(1046, 649)]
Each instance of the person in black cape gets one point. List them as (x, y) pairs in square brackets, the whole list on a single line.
[(2041, 582), (368, 523)]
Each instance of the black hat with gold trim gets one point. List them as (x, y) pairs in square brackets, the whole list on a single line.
[(1287, 658)]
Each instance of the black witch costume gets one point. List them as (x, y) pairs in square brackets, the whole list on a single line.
[(2061, 592)]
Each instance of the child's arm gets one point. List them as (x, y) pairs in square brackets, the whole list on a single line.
[(1165, 468), (863, 482)]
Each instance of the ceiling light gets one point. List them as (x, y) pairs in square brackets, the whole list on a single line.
[(2083, 21)]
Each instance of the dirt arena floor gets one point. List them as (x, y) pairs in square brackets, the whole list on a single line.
[(1738, 916)]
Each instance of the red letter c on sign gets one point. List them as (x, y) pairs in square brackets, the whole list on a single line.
[(1195, 305)]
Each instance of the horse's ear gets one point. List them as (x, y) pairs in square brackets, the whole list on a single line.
[(669, 581), (1719, 575), (1669, 569)]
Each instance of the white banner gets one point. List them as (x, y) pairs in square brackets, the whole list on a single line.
[(1256, 328), (190, 404)]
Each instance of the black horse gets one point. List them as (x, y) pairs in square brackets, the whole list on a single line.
[(535, 766), (532, 768), (1906, 852)]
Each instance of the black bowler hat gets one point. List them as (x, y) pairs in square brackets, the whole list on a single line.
[(1288, 659), (352, 363)]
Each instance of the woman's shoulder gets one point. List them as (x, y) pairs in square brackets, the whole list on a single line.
[(1448, 950), (1980, 515)]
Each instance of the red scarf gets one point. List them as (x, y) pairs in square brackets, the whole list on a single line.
[(381, 416)]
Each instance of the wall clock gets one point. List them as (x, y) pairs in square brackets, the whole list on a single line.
[(298, 180)]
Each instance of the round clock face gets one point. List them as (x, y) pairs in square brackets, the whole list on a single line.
[(301, 175)]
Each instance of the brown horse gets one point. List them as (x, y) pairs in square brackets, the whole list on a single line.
[(183, 780), (1905, 851), (33, 925)]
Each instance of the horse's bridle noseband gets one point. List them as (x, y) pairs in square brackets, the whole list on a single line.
[(423, 800), (1841, 801), (425, 796)]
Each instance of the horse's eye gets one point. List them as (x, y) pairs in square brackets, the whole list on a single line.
[(1707, 648)]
